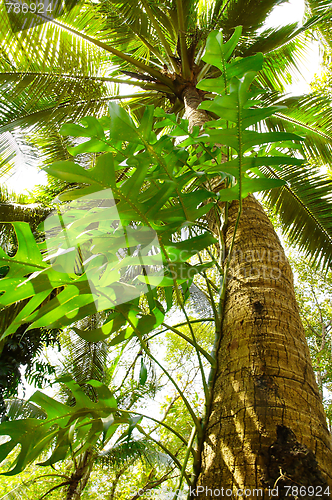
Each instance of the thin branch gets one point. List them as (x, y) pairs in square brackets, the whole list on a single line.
[(54, 488), (166, 450), (188, 339), (152, 485)]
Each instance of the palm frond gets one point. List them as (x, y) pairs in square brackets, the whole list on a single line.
[(270, 39), (52, 146), (7, 153), (47, 98), (50, 46), (273, 38), (20, 408), (304, 206), (282, 64), (311, 117), (84, 360), (250, 14), (322, 8), (129, 451), (46, 118), (6, 196), (118, 56), (130, 29)]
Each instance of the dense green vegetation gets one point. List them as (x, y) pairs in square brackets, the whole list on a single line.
[(125, 273)]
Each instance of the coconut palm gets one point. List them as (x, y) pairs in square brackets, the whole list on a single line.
[(158, 48), (264, 395)]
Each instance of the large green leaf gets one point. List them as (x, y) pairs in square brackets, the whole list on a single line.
[(238, 111), (72, 429), (113, 231), (216, 51)]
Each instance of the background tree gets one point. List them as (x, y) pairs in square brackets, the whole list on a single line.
[(83, 361)]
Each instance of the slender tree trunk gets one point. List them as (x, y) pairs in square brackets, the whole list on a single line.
[(80, 477), (267, 426)]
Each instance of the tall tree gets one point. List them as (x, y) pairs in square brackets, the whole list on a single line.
[(264, 370)]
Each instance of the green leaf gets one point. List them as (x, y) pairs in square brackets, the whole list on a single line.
[(184, 250), (122, 126), (213, 85), (143, 373), (229, 46), (249, 186), (92, 128), (70, 172), (94, 145), (251, 162), (25, 313), (237, 68), (114, 322), (105, 396), (35, 435), (248, 117), (229, 138), (149, 322), (146, 125), (240, 67), (132, 186), (216, 52), (160, 198)]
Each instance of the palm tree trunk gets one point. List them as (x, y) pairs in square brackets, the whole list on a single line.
[(192, 98), (267, 418), (266, 425)]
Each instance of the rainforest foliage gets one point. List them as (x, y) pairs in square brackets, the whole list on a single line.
[(129, 241)]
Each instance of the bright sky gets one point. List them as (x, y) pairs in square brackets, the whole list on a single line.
[(25, 177), (291, 12)]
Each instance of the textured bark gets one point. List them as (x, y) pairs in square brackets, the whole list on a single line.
[(80, 477), (266, 417), (267, 424), (192, 98), (27, 213)]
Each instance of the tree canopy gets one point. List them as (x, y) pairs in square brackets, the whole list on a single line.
[(141, 221)]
